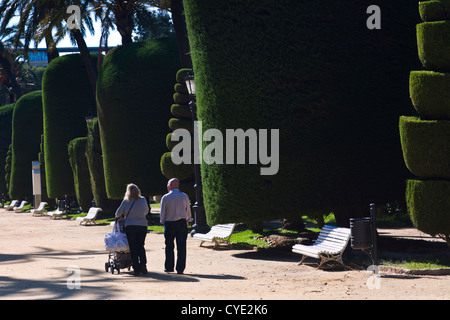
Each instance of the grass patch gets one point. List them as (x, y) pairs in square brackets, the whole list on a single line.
[(156, 229), (394, 221), (418, 262), (248, 237)]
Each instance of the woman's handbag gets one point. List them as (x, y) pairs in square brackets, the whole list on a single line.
[(116, 240), (122, 220)]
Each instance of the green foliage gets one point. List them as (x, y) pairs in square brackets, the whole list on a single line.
[(80, 169), (434, 10), (26, 139), (429, 206), (433, 42), (182, 171), (134, 89), (67, 99), (426, 147), (430, 94), (426, 143), (183, 120), (95, 163), (312, 70), (6, 113)]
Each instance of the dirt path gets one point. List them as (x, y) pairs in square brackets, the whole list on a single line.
[(36, 254)]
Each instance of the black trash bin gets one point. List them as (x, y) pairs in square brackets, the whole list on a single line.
[(361, 233)]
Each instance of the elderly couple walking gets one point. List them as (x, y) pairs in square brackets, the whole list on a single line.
[(175, 216)]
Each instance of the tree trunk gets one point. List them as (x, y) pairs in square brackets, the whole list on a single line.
[(124, 24), (179, 26), (91, 68), (52, 52), (9, 69)]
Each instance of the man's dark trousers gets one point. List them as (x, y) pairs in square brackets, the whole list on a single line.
[(175, 231)]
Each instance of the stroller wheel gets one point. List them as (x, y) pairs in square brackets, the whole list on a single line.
[(106, 266)]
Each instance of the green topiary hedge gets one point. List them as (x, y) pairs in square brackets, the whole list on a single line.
[(78, 162), (26, 139), (183, 120), (6, 113), (67, 99), (314, 71), (430, 94), (95, 163), (426, 143), (429, 206), (134, 89), (426, 147), (434, 10), (433, 42)]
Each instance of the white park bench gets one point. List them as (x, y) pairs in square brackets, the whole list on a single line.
[(20, 208), (329, 246), (218, 233), (40, 210), (90, 217), (56, 214), (10, 206)]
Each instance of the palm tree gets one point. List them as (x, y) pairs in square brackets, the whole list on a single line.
[(31, 13), (179, 25), (8, 69), (56, 18), (124, 14)]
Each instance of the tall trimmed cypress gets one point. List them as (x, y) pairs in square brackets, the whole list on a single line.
[(182, 119), (26, 140), (134, 88), (426, 139), (332, 87), (95, 163), (67, 99), (6, 113)]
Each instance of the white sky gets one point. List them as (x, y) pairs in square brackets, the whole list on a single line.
[(91, 40)]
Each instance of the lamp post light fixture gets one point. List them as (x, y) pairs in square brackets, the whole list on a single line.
[(200, 225), (89, 117)]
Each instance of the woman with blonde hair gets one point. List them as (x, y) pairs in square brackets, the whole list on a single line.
[(134, 208)]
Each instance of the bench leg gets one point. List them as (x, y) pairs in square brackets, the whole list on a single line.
[(301, 261), (324, 258)]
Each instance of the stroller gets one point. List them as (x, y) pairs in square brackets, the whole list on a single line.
[(119, 254)]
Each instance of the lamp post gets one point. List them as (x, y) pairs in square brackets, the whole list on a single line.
[(200, 225)]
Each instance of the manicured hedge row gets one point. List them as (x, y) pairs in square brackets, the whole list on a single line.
[(78, 162), (95, 163), (434, 10), (67, 99), (429, 205), (430, 94), (26, 139), (433, 42), (297, 66), (6, 113), (134, 88)]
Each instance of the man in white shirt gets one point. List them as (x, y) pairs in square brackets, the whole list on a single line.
[(175, 216)]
